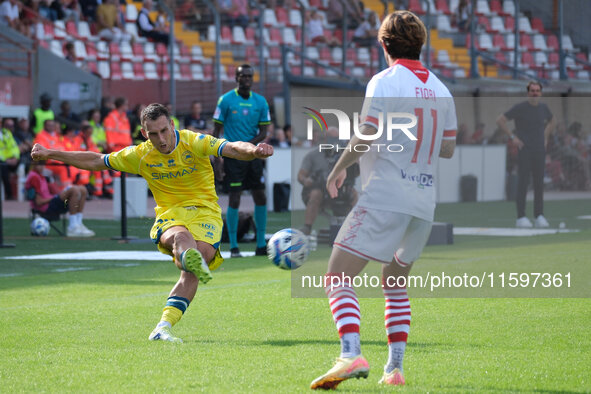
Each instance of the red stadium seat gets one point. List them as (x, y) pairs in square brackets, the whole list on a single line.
[(537, 24), (442, 6), (115, 52), (552, 42), (553, 58), (485, 22), (416, 7), (509, 23), (92, 67), (162, 69), (71, 29), (48, 30), (250, 35), (186, 71), (499, 42), (495, 6), (528, 59), (116, 70), (282, 16), (526, 42), (501, 57), (138, 69), (91, 51)]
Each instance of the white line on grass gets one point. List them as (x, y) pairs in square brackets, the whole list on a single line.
[(137, 255)]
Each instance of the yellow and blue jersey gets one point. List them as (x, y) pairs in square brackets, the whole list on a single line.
[(183, 177), (241, 117)]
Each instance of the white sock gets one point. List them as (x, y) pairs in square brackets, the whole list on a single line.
[(395, 356), (79, 218), (72, 221), (350, 345), (163, 323)]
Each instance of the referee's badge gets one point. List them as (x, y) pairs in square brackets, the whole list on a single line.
[(188, 157), (244, 111)]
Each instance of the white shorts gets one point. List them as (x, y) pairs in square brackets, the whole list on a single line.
[(383, 235)]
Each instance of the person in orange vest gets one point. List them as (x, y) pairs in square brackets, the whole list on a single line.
[(71, 143), (49, 136), (100, 180), (117, 127)]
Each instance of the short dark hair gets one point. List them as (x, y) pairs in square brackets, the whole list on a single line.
[(403, 35), (534, 82), (241, 68), (153, 112), (119, 101)]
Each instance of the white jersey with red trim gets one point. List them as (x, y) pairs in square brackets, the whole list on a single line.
[(415, 112)]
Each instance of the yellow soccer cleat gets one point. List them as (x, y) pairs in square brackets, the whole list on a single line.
[(192, 261), (393, 378), (344, 368)]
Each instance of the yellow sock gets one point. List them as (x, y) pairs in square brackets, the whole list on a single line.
[(174, 309)]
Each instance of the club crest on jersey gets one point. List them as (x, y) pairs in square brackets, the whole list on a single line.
[(188, 157), (244, 111), (171, 163)]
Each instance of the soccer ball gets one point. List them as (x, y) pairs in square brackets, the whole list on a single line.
[(288, 249), (39, 227)]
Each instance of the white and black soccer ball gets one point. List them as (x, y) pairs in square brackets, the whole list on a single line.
[(40, 227), (288, 249)]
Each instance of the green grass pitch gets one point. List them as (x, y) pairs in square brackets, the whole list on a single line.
[(86, 330)]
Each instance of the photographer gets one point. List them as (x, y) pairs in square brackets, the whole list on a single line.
[(312, 175)]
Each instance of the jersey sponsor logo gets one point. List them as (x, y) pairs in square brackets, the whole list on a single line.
[(171, 163), (213, 141), (188, 157), (422, 180), (209, 234), (154, 165), (161, 176)]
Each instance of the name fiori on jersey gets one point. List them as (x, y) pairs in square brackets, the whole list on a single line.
[(173, 174), (425, 93), (422, 179)]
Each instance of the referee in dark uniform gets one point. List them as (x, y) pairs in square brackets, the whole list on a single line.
[(242, 115)]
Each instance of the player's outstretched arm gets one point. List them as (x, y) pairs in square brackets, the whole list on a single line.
[(246, 151), (447, 149), (84, 160)]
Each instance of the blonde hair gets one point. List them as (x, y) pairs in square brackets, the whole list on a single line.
[(403, 35)]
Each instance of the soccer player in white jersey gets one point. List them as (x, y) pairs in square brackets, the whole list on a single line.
[(392, 219), (188, 224)]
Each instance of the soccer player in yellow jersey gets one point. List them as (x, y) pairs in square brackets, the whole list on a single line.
[(188, 223)]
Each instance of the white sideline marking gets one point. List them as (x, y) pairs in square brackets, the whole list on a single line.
[(72, 269), (584, 217), (11, 274), (509, 232), (137, 255)]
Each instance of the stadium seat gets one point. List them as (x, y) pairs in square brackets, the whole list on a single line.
[(80, 50), (501, 57), (309, 71), (363, 56), (162, 51), (443, 58), (289, 37), (150, 71), (48, 30), (91, 51), (495, 7), (238, 36), (570, 63), (138, 52), (540, 42), (312, 53), (443, 24), (567, 43), (71, 29), (485, 42), (537, 25), (126, 51), (178, 76), (525, 42), (270, 20), (115, 53), (226, 37), (499, 42), (186, 71), (274, 56), (459, 73), (509, 23), (583, 74), (508, 7), (104, 70), (56, 48), (250, 34), (127, 70), (197, 72), (116, 73), (497, 25), (524, 25), (541, 60), (138, 70), (84, 32), (416, 6), (482, 8), (527, 59), (282, 16), (59, 30), (150, 52), (554, 59), (162, 70), (510, 41), (442, 7), (102, 51), (208, 71), (484, 22), (131, 12), (295, 18), (552, 42), (131, 29)]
